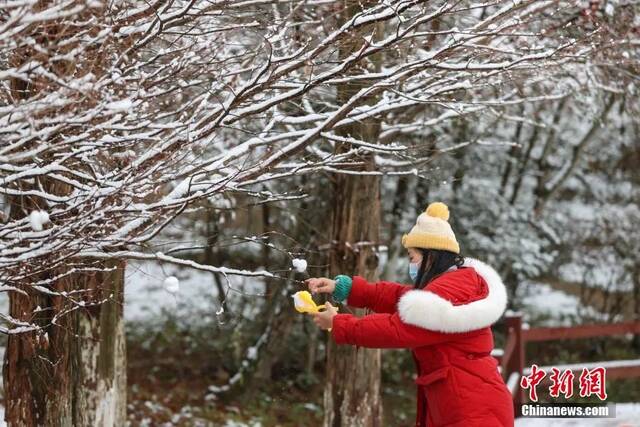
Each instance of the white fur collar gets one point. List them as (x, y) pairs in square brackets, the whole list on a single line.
[(428, 310)]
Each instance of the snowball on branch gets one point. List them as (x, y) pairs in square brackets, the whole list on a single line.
[(172, 285), (299, 264), (38, 219)]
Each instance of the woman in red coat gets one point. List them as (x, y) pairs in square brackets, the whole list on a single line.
[(444, 319)]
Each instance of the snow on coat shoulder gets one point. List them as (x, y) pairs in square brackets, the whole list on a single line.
[(429, 310)]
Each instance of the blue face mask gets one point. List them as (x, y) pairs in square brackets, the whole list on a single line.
[(413, 270)]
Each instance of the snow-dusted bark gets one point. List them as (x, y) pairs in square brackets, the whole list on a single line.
[(352, 389), (74, 371)]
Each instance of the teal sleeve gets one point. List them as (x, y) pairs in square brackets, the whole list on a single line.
[(343, 287)]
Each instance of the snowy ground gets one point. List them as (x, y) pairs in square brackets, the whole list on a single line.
[(146, 298), (146, 295), (627, 415)]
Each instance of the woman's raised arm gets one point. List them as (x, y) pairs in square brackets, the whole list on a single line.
[(383, 330), (381, 297)]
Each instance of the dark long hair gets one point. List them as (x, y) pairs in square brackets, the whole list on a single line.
[(435, 262)]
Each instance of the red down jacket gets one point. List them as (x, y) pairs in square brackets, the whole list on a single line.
[(447, 327)]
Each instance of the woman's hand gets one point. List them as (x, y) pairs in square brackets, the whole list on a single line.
[(324, 319), (321, 285)]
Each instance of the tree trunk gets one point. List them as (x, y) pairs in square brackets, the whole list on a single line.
[(73, 374), (352, 391)]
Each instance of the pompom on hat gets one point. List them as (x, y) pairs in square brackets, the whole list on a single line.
[(432, 230)]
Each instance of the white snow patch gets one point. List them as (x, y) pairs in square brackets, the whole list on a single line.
[(252, 353), (312, 407), (122, 105), (609, 9), (233, 423), (106, 410)]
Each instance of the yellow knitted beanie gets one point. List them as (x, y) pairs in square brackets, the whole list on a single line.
[(432, 230)]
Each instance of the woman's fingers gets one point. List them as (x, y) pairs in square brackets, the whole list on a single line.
[(317, 285), (330, 307), (312, 284)]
